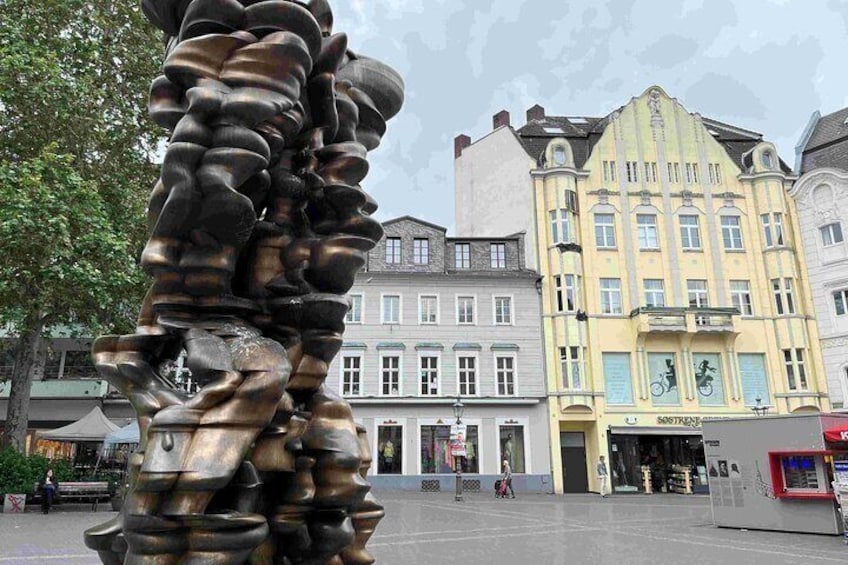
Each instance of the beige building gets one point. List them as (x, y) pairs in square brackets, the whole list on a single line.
[(672, 279)]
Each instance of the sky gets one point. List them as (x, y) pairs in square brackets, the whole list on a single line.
[(764, 65)]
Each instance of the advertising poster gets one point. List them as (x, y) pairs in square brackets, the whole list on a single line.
[(458, 435), (665, 384), (708, 378), (619, 384)]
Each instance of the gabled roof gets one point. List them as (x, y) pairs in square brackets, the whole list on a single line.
[(829, 129), (827, 144), (408, 218)]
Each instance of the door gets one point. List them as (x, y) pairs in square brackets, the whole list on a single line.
[(573, 451)]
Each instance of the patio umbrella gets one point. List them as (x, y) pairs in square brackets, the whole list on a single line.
[(94, 426)]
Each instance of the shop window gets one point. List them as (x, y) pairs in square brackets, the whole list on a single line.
[(436, 457), (800, 472), (79, 365), (512, 447), (389, 450)]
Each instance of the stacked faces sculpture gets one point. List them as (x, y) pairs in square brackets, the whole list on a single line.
[(258, 226)]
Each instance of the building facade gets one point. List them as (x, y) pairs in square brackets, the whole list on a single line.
[(673, 281), (434, 318), (821, 197)]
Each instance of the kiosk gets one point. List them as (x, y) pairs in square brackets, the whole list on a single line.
[(777, 472)]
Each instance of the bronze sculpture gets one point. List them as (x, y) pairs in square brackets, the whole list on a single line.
[(258, 226)]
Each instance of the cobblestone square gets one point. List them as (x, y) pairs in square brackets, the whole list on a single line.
[(431, 529)]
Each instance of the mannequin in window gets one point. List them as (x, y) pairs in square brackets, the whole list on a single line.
[(508, 451), (389, 456), (471, 457)]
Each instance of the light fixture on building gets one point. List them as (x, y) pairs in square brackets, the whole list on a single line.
[(759, 409)]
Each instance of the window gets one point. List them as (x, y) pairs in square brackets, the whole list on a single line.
[(389, 449), (674, 173), (435, 450), (421, 251), (778, 296), (697, 291), (465, 309), (767, 160), (799, 472), (505, 375), (790, 300), (390, 375), (7, 359), (512, 447), (391, 309), (560, 232), (654, 293), (609, 171), (731, 232), (772, 229), (647, 231), (740, 294), (796, 373), (53, 364), (715, 173), (611, 296), (650, 171), (497, 252), (831, 234), (429, 365), (467, 366), (463, 255), (692, 173), (503, 310), (428, 309), (571, 367), (784, 300), (558, 287), (765, 219), (618, 383), (571, 201), (690, 232), (78, 365), (840, 302), (572, 292), (632, 171), (354, 315), (605, 231), (559, 155), (351, 375), (392, 250), (778, 228)]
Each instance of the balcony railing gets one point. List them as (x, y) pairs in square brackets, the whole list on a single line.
[(688, 320)]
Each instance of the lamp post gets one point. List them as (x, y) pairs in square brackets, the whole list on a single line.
[(458, 409), (759, 409)]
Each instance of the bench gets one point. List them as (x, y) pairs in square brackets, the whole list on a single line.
[(93, 491)]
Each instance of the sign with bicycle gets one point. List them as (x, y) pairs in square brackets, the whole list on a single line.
[(664, 378), (708, 378)]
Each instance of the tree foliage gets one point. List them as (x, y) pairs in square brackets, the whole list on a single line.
[(76, 151)]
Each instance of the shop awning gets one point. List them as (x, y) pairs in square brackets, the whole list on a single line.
[(655, 431), (837, 435), (94, 426), (127, 434)]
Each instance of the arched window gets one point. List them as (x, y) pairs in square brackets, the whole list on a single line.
[(559, 155), (768, 160)]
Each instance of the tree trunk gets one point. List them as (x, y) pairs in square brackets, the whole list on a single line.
[(27, 359)]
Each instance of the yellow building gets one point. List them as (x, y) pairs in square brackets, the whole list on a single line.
[(672, 281)]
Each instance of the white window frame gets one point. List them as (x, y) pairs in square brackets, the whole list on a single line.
[(496, 260), (768, 237), (386, 354), (417, 257), (457, 255), (472, 355), (375, 441), (571, 289), (777, 292), (651, 172), (831, 230), (789, 295), (686, 231), (361, 298), (560, 222), (742, 299), (343, 369), (559, 297), (795, 369), (511, 312), (610, 293), (437, 354), (392, 239), (514, 357), (421, 298), (654, 291), (609, 171), (732, 230), (607, 232), (840, 296), (692, 173), (474, 311), (383, 296), (674, 173), (483, 468), (698, 294), (514, 422), (568, 363), (644, 231), (779, 233)]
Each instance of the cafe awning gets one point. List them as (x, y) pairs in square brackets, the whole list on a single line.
[(837, 435), (94, 426), (127, 434)]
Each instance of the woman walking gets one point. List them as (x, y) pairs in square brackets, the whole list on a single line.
[(507, 479)]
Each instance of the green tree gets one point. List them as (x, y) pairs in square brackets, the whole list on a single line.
[(76, 151)]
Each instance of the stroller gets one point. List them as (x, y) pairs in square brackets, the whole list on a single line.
[(500, 488)]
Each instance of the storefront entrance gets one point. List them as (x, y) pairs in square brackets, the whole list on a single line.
[(662, 454), (573, 452)]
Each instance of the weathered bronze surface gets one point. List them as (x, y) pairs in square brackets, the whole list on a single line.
[(258, 226)]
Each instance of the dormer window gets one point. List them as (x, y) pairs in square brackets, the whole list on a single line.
[(559, 156), (768, 160)]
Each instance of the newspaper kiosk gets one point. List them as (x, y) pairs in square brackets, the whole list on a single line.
[(777, 472)]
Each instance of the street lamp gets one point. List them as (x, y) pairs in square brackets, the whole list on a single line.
[(458, 410), (759, 409)]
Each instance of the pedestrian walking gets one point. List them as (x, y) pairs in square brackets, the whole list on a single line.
[(48, 489), (602, 476), (507, 479)]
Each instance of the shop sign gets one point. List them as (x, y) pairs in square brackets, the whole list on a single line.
[(691, 421)]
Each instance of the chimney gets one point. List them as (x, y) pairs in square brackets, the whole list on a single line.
[(460, 142), (500, 119), (535, 113)]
